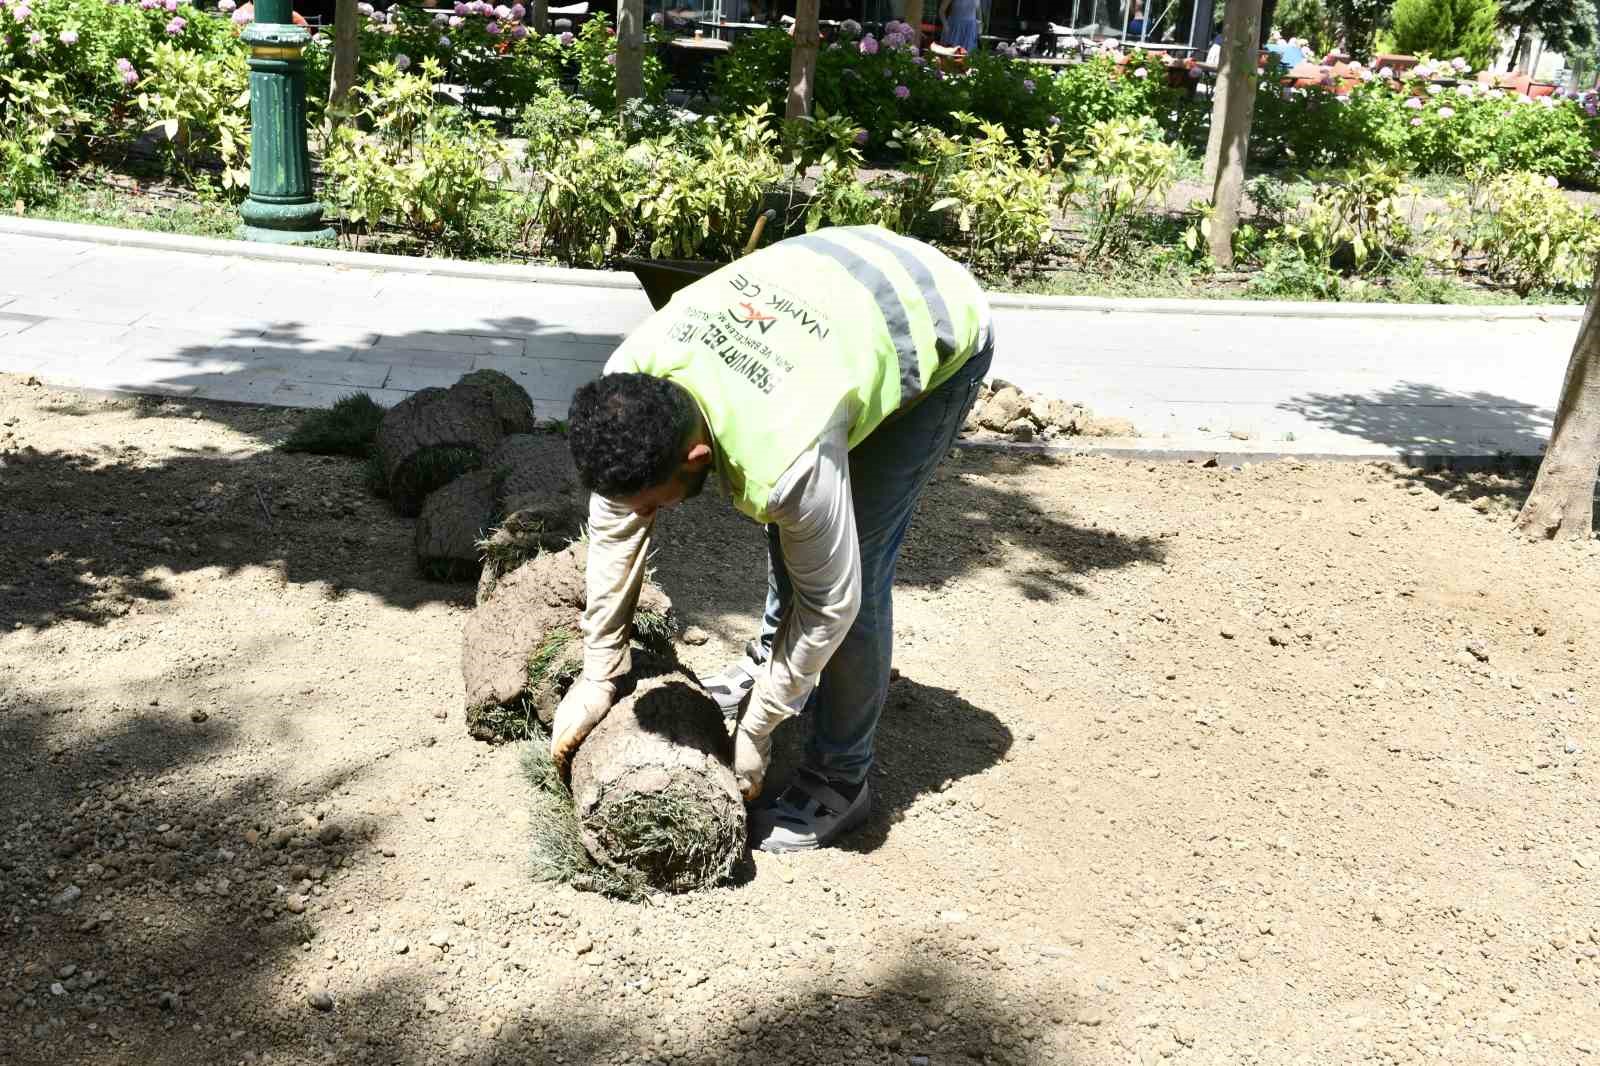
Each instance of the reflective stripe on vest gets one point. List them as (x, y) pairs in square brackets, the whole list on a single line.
[(944, 330), (890, 304)]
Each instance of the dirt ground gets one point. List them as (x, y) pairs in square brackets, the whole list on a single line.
[(1289, 764)]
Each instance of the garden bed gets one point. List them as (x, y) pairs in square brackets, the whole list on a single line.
[(1288, 762)]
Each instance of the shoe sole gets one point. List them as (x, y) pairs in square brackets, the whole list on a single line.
[(853, 820)]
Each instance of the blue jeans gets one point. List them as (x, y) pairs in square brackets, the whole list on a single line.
[(888, 472)]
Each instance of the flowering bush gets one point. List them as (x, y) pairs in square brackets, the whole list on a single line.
[(1529, 236)]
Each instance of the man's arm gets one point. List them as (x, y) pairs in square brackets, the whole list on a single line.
[(815, 515), (619, 541), (816, 521)]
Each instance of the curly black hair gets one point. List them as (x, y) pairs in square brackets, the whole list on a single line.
[(628, 432)]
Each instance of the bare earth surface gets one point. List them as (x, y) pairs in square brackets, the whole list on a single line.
[(1288, 764)]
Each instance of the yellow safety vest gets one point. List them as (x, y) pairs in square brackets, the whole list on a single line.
[(770, 345)]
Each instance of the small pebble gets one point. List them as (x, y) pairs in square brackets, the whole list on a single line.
[(695, 636), (319, 998)]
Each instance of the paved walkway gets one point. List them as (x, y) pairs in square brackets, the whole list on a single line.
[(216, 327)]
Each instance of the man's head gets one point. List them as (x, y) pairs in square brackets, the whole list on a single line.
[(639, 441)]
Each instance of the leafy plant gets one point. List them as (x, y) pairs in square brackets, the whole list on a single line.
[(1356, 215), (1122, 169), (999, 199), (1528, 235), (201, 106), (411, 163)]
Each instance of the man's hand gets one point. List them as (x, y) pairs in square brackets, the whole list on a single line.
[(585, 703), (752, 740)]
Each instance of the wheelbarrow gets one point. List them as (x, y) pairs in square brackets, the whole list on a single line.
[(662, 278)]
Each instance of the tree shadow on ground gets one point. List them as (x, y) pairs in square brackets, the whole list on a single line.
[(928, 739), (159, 962), (88, 536), (1425, 423)]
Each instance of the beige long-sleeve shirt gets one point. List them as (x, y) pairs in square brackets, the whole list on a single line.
[(812, 507)]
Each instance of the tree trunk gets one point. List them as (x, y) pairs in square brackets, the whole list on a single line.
[(911, 14), (539, 15), (1269, 11), (803, 62), (1516, 49), (630, 50), (1562, 503), (653, 784), (1231, 115), (346, 48)]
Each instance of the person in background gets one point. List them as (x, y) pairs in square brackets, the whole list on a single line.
[(960, 18)]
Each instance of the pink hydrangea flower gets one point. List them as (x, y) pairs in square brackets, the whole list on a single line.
[(460, 8), (518, 12), (227, 7), (1546, 101), (1552, 182), (1416, 122), (1028, 85), (901, 92), (170, 5), (243, 16), (1385, 72), (1447, 112), (402, 61), (69, 37), (862, 138), (36, 38), (566, 39), (1413, 102), (366, 9), (1141, 73), (1054, 120), (519, 31), (21, 12), (176, 26), (493, 29), (869, 45), (456, 21), (503, 13)]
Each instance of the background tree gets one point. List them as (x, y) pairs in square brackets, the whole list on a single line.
[(1232, 110), (1312, 20), (1562, 503), (1358, 24), (346, 50), (803, 60), (630, 50), (1445, 29), (1565, 26)]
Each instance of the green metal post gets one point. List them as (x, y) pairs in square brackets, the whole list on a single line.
[(280, 209)]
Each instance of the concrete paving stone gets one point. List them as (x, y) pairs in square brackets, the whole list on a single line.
[(23, 362), (310, 336), (344, 372), (222, 327), (64, 338), (70, 310), (465, 344), (12, 324), (545, 379), (173, 343), (412, 378), (595, 349), (236, 388), (405, 357)]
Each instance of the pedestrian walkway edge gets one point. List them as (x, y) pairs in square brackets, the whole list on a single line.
[(610, 279)]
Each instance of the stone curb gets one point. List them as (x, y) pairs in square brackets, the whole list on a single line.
[(610, 279)]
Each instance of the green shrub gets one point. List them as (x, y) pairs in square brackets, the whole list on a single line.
[(596, 51), (411, 163), (1529, 236), (998, 198), (1313, 20), (201, 105), (1446, 28), (1120, 172), (1351, 220)]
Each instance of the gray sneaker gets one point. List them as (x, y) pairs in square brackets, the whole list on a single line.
[(732, 684), (811, 813)]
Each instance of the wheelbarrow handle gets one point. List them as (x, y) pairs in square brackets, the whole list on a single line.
[(755, 235)]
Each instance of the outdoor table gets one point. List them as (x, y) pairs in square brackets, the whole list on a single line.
[(731, 28), (701, 44), (1156, 46), (1051, 61)]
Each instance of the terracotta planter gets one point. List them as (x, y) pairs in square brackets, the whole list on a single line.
[(1541, 88)]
